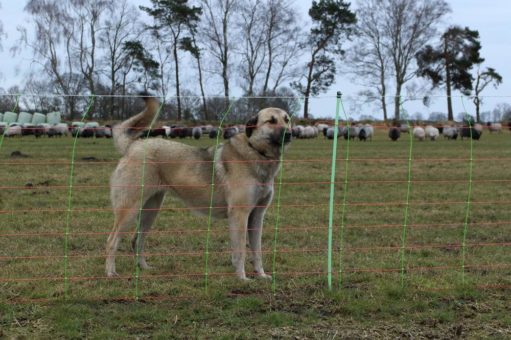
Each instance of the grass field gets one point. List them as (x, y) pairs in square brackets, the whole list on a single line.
[(433, 297)]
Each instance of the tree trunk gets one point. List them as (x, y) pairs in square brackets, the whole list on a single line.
[(308, 90), (397, 100), (178, 92)]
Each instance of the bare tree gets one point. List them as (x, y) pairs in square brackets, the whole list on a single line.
[(121, 25), (391, 32), (253, 35), (217, 33), (87, 17), (483, 79), (407, 25), (367, 59), (52, 47), (282, 43)]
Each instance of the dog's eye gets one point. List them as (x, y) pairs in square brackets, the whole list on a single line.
[(273, 120), (286, 119)]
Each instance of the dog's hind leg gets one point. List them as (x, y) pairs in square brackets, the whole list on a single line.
[(124, 218), (149, 213)]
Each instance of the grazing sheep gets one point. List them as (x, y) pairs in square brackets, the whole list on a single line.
[(404, 128), (108, 131), (431, 132), (297, 131), (60, 129), (494, 127), (39, 130), (331, 130), (27, 129), (419, 133), (309, 132), (206, 129), (450, 132), (322, 128), (196, 132), (213, 133), (366, 132), (394, 133), (230, 132), (475, 132), (350, 132), (13, 130)]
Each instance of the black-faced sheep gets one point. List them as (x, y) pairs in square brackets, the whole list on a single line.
[(394, 133)]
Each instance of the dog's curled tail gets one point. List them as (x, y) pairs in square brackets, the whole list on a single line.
[(131, 129)]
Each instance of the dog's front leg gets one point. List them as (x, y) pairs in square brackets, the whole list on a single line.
[(255, 232), (238, 219)]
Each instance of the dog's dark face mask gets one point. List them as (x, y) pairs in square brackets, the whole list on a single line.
[(280, 136)]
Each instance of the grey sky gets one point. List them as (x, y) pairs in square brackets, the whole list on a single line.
[(490, 18)]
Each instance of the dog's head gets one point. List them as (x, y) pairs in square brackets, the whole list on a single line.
[(270, 128)]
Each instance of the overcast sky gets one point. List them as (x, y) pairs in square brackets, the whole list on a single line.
[(491, 18)]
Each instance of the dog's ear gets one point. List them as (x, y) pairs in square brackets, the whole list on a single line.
[(250, 126)]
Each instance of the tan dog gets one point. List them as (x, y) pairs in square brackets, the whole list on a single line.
[(245, 168)]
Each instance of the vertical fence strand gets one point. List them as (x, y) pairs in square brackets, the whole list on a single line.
[(212, 195), (141, 209), (404, 229), (332, 192), (469, 195), (344, 196), (277, 219), (70, 201)]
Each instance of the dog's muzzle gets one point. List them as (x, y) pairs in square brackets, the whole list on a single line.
[(282, 136)]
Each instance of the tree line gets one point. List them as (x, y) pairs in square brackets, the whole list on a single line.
[(197, 53)]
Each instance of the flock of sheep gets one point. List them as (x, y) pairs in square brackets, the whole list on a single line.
[(366, 131), (361, 131)]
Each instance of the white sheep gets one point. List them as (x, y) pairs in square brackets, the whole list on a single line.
[(13, 130), (419, 133), (495, 127), (450, 132), (431, 132)]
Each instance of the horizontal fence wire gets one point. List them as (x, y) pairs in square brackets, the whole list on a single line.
[(471, 244)]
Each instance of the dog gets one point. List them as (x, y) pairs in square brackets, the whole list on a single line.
[(245, 167)]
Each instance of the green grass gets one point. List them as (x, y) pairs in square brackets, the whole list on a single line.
[(434, 301)]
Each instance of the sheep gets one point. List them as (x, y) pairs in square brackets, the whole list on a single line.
[(297, 131), (322, 128), (404, 128), (167, 130), (213, 133), (230, 132), (350, 132), (331, 130), (13, 130), (419, 133), (39, 130), (431, 132), (450, 132), (309, 132), (196, 132), (494, 127), (60, 129), (108, 131), (474, 132), (27, 129), (394, 133), (366, 132)]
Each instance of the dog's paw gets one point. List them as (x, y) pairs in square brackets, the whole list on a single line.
[(264, 276), (112, 274), (143, 265)]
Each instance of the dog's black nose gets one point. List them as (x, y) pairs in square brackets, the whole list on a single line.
[(287, 136)]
